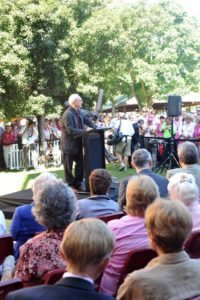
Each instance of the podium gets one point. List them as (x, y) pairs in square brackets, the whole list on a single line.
[(93, 152)]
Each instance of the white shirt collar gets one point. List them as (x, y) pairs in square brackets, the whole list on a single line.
[(68, 274)]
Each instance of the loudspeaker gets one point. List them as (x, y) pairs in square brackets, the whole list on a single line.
[(174, 106)]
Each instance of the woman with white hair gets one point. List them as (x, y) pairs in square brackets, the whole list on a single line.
[(182, 187), (23, 225), (55, 208)]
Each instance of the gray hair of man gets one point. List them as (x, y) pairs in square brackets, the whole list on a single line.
[(182, 187), (141, 158), (55, 205), (42, 180), (72, 99), (188, 153)]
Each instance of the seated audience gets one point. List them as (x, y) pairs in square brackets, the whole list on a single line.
[(23, 225), (87, 245), (188, 159), (2, 223), (142, 162), (130, 231), (172, 275), (8, 265), (54, 208), (99, 203), (182, 187)]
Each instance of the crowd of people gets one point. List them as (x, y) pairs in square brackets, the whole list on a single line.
[(154, 132), (89, 249), (149, 129), (59, 231), (24, 133)]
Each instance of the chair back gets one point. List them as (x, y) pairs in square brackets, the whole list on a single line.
[(192, 244), (136, 260), (6, 246), (53, 276), (9, 286), (107, 218)]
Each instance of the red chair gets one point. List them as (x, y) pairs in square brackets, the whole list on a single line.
[(192, 244), (6, 246), (136, 260), (107, 218), (9, 286), (53, 276)]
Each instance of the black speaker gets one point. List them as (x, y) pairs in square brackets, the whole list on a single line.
[(174, 106)]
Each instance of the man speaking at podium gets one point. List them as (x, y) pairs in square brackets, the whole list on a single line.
[(73, 128)]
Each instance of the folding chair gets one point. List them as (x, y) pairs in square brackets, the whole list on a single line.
[(107, 218), (53, 276), (192, 244), (6, 246), (9, 286), (136, 260)]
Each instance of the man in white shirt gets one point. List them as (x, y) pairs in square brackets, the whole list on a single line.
[(123, 149), (29, 135)]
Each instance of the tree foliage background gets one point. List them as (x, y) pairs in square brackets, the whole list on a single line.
[(52, 48)]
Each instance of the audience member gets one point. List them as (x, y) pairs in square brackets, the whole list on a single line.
[(87, 245), (142, 162), (54, 208), (46, 130), (8, 265), (136, 136), (7, 141), (123, 149), (186, 128), (23, 225), (2, 223), (29, 135), (99, 203), (15, 131), (130, 231), (182, 187), (172, 275), (188, 159)]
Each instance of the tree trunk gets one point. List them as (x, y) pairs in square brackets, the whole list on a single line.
[(40, 120)]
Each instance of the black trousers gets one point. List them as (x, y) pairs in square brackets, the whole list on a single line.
[(68, 160)]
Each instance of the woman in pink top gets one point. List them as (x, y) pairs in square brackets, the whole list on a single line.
[(182, 187), (196, 134), (129, 231)]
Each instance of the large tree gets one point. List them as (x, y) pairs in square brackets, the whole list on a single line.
[(162, 50), (52, 48)]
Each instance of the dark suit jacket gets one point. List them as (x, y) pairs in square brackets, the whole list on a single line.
[(136, 136), (71, 136), (65, 289), (161, 182)]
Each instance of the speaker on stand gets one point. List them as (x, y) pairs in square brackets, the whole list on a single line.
[(173, 110)]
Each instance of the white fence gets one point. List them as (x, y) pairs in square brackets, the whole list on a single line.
[(16, 155)]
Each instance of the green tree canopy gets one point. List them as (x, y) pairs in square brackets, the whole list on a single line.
[(50, 49)]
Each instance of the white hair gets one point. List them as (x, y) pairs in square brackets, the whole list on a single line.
[(41, 181), (73, 98), (182, 187)]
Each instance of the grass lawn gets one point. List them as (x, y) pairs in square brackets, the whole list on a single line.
[(14, 181)]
